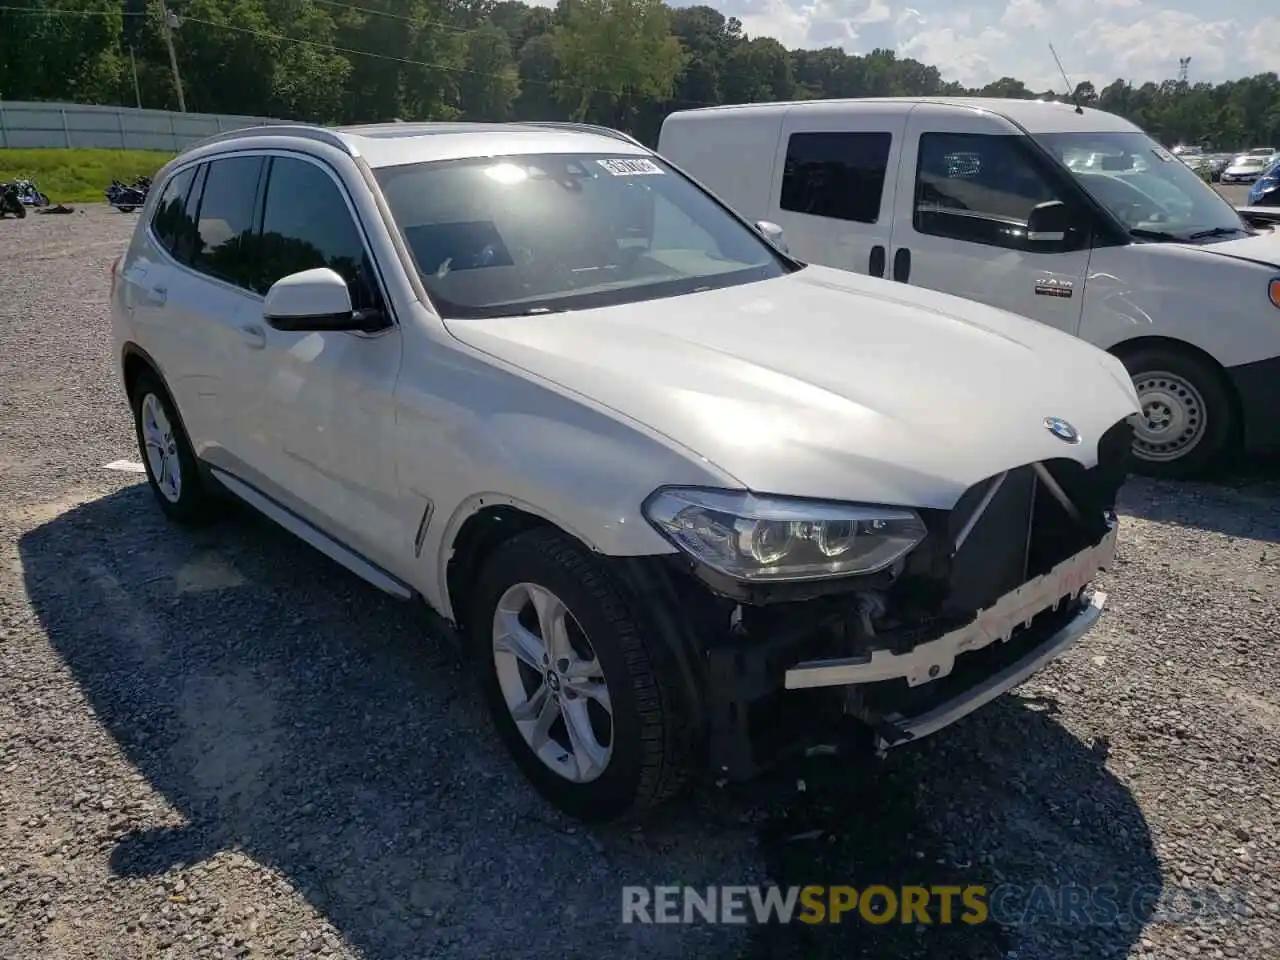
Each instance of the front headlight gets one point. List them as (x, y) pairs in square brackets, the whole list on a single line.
[(767, 539)]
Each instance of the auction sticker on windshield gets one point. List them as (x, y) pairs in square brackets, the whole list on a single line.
[(631, 167)]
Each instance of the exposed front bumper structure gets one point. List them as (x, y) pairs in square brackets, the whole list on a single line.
[(933, 660), (948, 712), (997, 624), (999, 587)]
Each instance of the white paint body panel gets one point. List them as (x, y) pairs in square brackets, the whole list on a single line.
[(821, 384), (1120, 293)]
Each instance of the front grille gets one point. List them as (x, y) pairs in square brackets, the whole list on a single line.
[(993, 558), (1024, 530)]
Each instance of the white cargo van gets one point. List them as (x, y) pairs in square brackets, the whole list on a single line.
[(1075, 218)]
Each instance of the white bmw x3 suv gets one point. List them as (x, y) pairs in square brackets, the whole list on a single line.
[(689, 502)]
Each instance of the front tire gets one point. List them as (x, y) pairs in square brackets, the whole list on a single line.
[(584, 702), (170, 462), (1188, 421)]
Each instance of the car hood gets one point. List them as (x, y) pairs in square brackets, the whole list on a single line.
[(1263, 247), (829, 384)]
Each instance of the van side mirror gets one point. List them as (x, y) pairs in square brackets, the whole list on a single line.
[(773, 233), (317, 300), (1048, 223)]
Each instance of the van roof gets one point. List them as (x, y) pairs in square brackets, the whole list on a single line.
[(1034, 116)]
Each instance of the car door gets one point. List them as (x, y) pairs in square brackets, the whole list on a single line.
[(327, 402), (192, 297), (146, 281), (216, 299), (961, 224), (834, 177)]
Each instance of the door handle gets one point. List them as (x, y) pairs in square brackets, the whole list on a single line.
[(156, 296), (254, 336), (875, 264), (902, 265)]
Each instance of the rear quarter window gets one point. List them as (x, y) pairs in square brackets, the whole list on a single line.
[(838, 175), (167, 222)]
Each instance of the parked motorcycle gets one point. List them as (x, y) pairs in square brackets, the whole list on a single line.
[(29, 194), (127, 197), (10, 202)]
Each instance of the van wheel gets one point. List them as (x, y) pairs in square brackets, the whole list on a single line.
[(167, 456), (577, 691), (1188, 420)]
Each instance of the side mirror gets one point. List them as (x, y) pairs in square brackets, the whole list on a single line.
[(1048, 223), (774, 234), (316, 300)]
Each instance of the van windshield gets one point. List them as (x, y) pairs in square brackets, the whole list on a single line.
[(517, 235), (1149, 190)]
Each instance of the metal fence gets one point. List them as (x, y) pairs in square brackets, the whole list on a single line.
[(24, 124)]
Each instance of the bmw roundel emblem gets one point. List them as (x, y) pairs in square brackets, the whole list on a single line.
[(1062, 430)]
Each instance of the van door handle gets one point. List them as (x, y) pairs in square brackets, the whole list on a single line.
[(254, 336), (902, 265), (156, 296), (875, 264)]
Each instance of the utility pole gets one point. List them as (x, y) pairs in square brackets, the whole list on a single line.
[(170, 22), (137, 90)]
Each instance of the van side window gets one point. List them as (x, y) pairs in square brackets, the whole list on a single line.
[(977, 187), (838, 175)]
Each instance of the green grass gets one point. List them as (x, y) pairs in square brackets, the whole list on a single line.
[(78, 176)]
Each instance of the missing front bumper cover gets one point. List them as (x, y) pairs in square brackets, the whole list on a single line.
[(936, 659)]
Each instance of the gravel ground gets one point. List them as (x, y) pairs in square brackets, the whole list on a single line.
[(219, 744), (1235, 195)]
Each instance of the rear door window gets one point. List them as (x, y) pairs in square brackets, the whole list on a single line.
[(839, 175), (223, 245)]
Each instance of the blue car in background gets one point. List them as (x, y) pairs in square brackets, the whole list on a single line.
[(1265, 191)]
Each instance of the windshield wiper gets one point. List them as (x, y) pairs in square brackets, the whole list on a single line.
[(1163, 236), (1215, 232)]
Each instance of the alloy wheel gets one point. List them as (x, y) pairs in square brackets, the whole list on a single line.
[(552, 682)]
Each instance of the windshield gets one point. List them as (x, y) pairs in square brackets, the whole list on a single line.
[(1147, 189), (550, 232)]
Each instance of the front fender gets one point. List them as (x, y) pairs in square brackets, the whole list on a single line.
[(474, 434), (1216, 303)]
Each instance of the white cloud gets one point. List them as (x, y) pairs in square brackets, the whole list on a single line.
[(984, 40)]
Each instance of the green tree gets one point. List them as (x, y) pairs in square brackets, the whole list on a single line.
[(611, 54), (490, 81)]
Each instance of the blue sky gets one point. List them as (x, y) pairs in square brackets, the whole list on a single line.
[(977, 41)]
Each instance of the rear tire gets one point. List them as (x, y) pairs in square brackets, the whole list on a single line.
[(171, 466), (1188, 423), (640, 753), (20, 211)]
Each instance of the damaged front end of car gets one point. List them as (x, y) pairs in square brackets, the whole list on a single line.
[(989, 592)]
